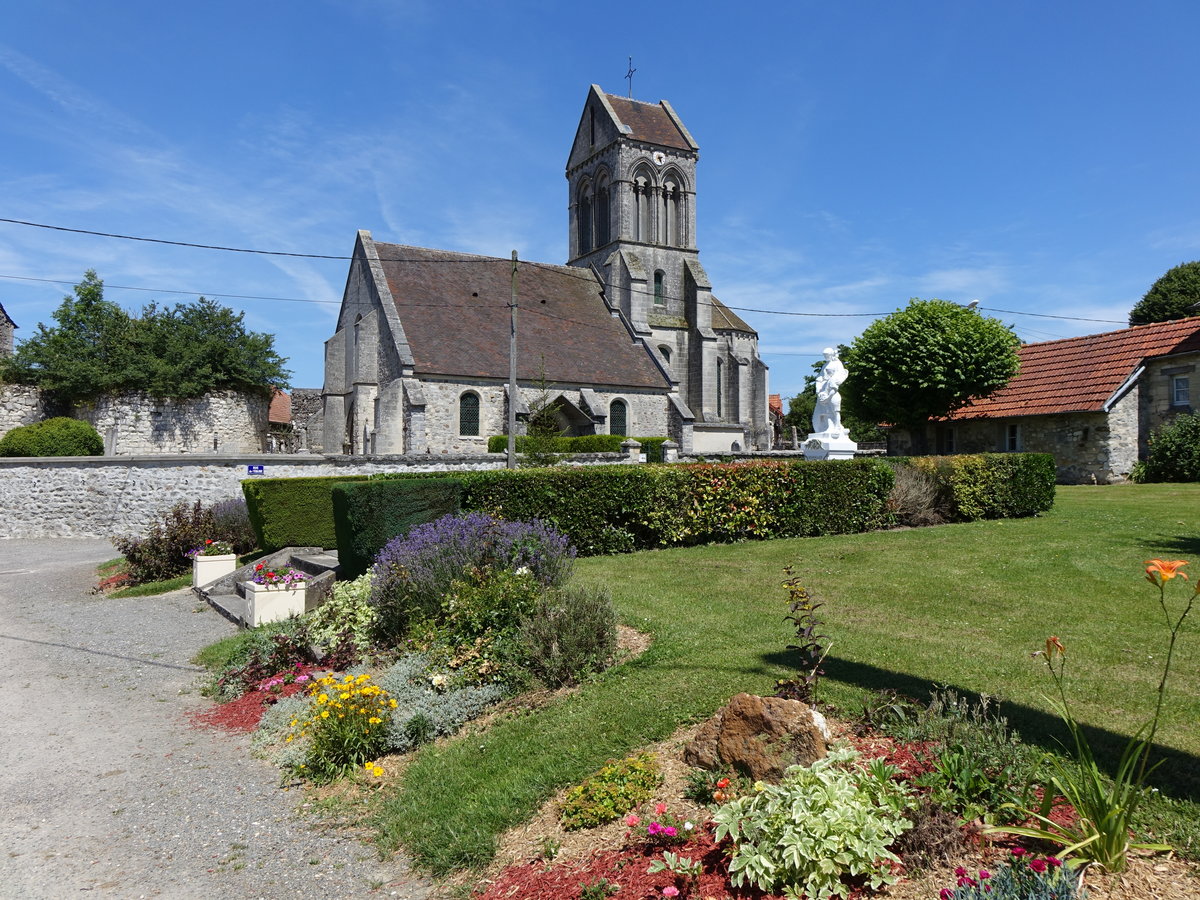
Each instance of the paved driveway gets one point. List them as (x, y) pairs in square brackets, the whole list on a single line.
[(104, 785)]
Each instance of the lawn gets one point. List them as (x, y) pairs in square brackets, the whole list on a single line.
[(963, 605)]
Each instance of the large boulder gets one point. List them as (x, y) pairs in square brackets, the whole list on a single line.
[(759, 737)]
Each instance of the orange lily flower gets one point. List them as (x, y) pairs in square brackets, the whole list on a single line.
[(1054, 647), (1160, 570)]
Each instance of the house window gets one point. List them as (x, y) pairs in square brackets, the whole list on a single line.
[(1181, 392), (946, 440), (468, 414), (658, 288), (1012, 438), (618, 418)]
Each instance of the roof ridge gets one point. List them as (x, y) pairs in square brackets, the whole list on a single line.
[(1114, 332)]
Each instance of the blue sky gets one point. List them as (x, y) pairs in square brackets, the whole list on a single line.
[(1040, 157)]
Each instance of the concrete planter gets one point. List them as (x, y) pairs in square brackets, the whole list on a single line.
[(207, 569), (273, 602)]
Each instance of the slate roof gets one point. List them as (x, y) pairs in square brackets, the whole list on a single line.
[(725, 319), (454, 311), (1081, 374), (650, 122)]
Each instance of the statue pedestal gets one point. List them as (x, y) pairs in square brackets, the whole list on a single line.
[(829, 445)]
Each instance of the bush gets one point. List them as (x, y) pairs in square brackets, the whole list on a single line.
[(346, 726), (162, 553), (53, 437), (584, 443), (293, 512), (820, 824), (231, 518), (989, 485), (916, 498), (1175, 451), (413, 573), (346, 615), (618, 788), (568, 634), (368, 514), (261, 653)]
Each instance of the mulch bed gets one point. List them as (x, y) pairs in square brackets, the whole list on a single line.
[(244, 713)]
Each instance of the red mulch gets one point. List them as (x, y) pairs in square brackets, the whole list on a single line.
[(114, 582), (912, 758), (627, 868), (244, 713)]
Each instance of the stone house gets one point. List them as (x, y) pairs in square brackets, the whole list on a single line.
[(626, 338), (1091, 401), (7, 327)]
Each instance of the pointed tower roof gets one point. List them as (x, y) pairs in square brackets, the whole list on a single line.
[(5, 317), (652, 123)]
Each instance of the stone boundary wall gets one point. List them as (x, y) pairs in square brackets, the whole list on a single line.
[(104, 497), (20, 404), (219, 422)]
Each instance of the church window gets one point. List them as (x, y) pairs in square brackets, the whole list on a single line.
[(585, 222), (618, 417), (603, 221), (643, 191), (670, 215), (720, 388), (666, 354), (658, 288), (468, 414)]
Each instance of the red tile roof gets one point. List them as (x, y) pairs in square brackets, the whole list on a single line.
[(650, 122), (1081, 374), (280, 410), (454, 311)]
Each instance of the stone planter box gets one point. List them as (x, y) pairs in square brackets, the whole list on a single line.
[(272, 602), (207, 569)]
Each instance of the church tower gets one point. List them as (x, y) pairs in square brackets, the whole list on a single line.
[(631, 177)]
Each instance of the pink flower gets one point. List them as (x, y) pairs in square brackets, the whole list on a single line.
[(960, 872), (946, 894), (660, 808), (1018, 852), (670, 891), (1038, 865), (669, 831), (984, 874), (1054, 861), (632, 820), (653, 828)]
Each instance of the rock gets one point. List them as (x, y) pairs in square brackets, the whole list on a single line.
[(759, 737)]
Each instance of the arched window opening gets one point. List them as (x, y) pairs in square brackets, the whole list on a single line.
[(670, 214), (468, 414), (658, 288), (665, 352), (643, 192), (618, 418), (602, 216), (585, 223), (720, 388)]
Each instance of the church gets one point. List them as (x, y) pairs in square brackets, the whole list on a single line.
[(626, 338)]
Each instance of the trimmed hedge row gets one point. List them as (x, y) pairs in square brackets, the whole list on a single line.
[(293, 512), (59, 436), (585, 443), (991, 485), (368, 514)]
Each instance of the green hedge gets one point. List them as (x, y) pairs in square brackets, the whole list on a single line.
[(618, 509), (368, 514), (992, 485), (293, 512), (59, 436), (585, 443)]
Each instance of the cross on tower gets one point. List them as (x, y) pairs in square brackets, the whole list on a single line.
[(629, 75)]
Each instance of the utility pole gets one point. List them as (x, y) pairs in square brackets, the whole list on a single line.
[(512, 369)]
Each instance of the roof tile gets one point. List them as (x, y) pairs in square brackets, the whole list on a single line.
[(649, 121)]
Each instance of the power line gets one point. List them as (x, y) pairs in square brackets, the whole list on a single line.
[(126, 287), (561, 269)]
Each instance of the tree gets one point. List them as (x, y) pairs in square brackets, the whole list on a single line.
[(925, 361), (96, 348), (1176, 295)]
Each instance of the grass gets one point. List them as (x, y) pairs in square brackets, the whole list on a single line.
[(962, 605)]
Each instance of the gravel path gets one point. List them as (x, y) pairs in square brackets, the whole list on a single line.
[(104, 785)]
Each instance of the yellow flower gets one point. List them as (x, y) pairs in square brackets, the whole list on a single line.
[(324, 714), (377, 772), (343, 696), (323, 698), (374, 720), (759, 786)]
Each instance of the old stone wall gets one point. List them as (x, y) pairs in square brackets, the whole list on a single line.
[(219, 422), (20, 404), (307, 418), (1158, 404)]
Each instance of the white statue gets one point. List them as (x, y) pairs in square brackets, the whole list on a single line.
[(827, 414)]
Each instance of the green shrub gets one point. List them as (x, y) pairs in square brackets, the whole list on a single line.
[(347, 614), (618, 788), (53, 437), (346, 726), (162, 552), (820, 824), (989, 485), (293, 512), (368, 514), (568, 634), (1175, 451)]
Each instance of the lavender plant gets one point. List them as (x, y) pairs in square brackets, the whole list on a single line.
[(413, 572)]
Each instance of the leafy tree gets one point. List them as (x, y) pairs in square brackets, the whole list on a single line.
[(86, 354), (925, 361), (1176, 295), (179, 352)]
